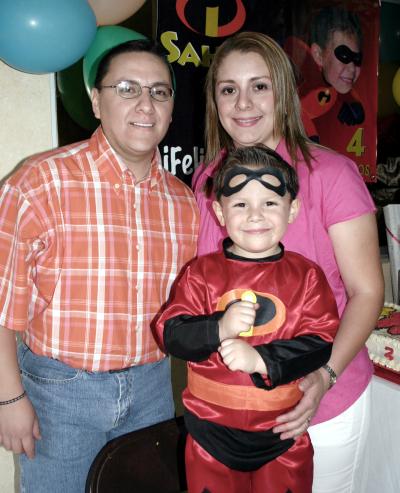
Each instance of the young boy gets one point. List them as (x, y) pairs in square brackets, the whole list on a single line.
[(245, 357), (330, 68)]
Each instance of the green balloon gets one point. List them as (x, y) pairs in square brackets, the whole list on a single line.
[(107, 37), (74, 96)]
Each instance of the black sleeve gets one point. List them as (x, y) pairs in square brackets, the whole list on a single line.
[(192, 338), (289, 359)]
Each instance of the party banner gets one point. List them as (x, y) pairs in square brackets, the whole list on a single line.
[(339, 111)]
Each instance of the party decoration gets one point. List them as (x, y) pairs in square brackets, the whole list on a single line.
[(113, 12), (386, 101), (74, 97), (107, 37), (41, 36), (396, 86)]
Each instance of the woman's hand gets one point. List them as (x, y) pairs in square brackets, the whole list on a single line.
[(295, 423)]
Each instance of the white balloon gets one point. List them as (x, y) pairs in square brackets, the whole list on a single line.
[(110, 12)]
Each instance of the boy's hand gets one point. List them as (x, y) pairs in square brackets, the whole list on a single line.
[(237, 354), (239, 317)]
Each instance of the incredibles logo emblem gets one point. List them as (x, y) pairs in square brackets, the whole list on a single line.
[(270, 316), (212, 27), (324, 97)]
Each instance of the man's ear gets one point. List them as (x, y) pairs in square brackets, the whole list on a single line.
[(94, 96), (218, 212), (316, 52), (294, 210)]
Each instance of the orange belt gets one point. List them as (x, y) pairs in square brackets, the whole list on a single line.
[(241, 396)]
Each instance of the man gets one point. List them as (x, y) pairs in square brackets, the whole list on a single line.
[(92, 236)]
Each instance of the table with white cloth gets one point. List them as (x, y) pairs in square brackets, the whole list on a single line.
[(381, 464)]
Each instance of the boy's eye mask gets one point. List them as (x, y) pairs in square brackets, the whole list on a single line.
[(345, 55), (237, 178)]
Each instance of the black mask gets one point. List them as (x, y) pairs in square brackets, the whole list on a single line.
[(345, 55), (253, 174)]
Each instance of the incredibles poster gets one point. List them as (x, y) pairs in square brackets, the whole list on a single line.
[(335, 51), (191, 31)]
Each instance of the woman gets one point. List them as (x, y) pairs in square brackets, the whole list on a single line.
[(252, 98)]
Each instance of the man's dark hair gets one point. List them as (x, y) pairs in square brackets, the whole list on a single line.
[(256, 157), (331, 19), (135, 46)]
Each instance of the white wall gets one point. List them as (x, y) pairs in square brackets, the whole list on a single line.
[(27, 112), (28, 126)]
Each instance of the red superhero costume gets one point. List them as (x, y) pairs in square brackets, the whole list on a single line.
[(329, 117), (229, 414)]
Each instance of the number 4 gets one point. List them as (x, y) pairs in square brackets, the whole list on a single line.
[(355, 145)]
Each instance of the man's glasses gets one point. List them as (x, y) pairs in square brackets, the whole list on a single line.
[(130, 89)]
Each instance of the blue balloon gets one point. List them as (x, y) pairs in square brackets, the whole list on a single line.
[(42, 36)]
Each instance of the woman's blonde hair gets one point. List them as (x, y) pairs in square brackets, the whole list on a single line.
[(287, 122)]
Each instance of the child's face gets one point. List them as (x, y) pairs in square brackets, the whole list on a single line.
[(340, 75), (256, 219)]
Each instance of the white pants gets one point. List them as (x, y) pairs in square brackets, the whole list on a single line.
[(338, 448)]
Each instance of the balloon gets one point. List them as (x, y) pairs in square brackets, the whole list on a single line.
[(386, 102), (396, 87), (107, 37), (114, 11), (74, 97), (41, 36)]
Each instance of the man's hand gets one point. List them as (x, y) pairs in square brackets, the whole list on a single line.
[(19, 427), (239, 317), (295, 423), (237, 354)]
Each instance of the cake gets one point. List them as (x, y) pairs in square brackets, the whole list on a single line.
[(384, 342)]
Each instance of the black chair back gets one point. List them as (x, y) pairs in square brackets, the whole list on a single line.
[(150, 460)]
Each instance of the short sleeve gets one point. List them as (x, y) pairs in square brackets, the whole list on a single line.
[(344, 194), (26, 253)]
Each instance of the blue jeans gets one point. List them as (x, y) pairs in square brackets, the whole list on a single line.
[(80, 411)]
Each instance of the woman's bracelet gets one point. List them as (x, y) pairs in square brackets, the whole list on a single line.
[(4, 403)]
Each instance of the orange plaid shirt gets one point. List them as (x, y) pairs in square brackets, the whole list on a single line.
[(88, 256)]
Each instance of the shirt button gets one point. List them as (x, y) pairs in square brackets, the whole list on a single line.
[(117, 186)]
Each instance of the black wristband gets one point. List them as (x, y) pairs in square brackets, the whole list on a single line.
[(4, 403)]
